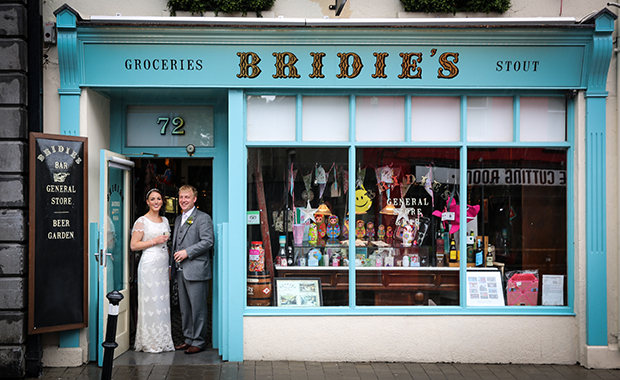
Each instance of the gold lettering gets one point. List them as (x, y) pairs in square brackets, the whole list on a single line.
[(410, 66), (61, 201), (60, 223), (344, 65), (282, 63), (248, 62), (60, 235), (380, 65), (60, 188), (317, 65), (448, 66)]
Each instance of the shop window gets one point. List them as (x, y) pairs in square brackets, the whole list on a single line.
[(410, 247), (543, 119), (385, 113), (325, 118), (442, 113), (404, 254), (522, 195), (300, 199), (490, 119), (270, 118)]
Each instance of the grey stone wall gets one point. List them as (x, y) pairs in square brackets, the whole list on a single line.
[(14, 121)]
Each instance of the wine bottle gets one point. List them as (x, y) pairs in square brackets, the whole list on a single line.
[(489, 258)]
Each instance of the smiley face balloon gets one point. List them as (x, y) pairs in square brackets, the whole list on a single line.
[(362, 201)]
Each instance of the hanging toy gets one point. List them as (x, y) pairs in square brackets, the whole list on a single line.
[(363, 200)]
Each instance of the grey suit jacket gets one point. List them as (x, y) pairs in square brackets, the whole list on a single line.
[(197, 239)]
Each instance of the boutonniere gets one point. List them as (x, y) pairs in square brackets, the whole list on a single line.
[(190, 220)]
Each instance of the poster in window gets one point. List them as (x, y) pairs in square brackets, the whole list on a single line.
[(484, 288), (298, 292)]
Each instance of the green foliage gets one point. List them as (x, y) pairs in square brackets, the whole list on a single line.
[(198, 7), (454, 6)]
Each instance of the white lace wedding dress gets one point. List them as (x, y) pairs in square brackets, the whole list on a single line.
[(153, 330)]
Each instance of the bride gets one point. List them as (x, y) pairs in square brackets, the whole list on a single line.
[(149, 234)]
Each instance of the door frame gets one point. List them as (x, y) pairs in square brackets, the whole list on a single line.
[(219, 154), (106, 161)]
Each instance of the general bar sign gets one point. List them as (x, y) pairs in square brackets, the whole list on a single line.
[(58, 234)]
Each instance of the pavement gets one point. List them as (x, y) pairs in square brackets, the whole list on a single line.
[(208, 365)]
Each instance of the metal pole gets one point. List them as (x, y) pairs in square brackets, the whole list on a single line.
[(110, 336)]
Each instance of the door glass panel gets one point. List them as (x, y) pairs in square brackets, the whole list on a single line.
[(402, 254), (114, 233)]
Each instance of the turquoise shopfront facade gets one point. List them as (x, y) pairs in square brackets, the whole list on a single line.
[(222, 63)]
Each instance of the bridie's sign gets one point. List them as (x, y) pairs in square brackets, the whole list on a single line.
[(58, 236), (298, 66)]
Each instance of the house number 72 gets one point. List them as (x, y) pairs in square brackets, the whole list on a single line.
[(178, 123)]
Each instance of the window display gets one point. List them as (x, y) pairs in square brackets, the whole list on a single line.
[(401, 240), (302, 198), (406, 226)]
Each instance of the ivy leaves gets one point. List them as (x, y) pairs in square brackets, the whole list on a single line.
[(454, 6), (198, 7)]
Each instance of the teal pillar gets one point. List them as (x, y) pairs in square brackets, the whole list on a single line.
[(69, 91), (596, 226), (236, 263)]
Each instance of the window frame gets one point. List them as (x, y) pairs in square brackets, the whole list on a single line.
[(408, 142)]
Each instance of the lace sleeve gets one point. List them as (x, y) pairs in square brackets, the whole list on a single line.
[(138, 225)]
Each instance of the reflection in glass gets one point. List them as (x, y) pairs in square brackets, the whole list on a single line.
[(297, 221), (115, 227), (522, 194), (402, 253)]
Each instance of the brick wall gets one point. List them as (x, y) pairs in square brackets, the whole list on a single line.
[(14, 127)]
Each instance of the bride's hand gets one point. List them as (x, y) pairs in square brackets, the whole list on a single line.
[(161, 239)]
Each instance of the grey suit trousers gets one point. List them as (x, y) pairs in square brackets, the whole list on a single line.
[(194, 320)]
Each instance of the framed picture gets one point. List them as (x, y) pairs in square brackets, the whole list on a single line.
[(292, 291), (484, 288)]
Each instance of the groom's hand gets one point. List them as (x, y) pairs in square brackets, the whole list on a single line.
[(180, 256)]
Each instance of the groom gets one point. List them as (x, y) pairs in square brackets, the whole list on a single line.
[(191, 244)]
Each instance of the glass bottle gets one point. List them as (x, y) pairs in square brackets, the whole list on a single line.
[(289, 256), (453, 256), (281, 260), (471, 257), (489, 258), (439, 254), (479, 253)]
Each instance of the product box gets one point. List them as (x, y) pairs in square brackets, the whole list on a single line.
[(522, 290)]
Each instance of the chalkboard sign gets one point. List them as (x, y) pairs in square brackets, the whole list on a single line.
[(58, 255)]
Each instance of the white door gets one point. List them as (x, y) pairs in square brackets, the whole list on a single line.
[(114, 236)]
